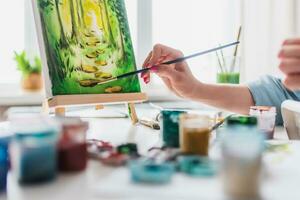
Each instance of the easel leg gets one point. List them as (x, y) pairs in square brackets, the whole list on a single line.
[(132, 113), (45, 107), (60, 111)]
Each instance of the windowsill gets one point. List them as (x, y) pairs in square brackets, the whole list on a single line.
[(13, 95)]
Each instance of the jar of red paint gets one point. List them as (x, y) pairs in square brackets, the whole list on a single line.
[(72, 147)]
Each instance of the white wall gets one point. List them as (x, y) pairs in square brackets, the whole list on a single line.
[(266, 24)]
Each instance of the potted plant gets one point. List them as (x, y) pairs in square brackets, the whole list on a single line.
[(31, 72)]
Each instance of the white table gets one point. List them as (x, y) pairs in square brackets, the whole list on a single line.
[(100, 182)]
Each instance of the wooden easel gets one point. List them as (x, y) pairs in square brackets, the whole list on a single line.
[(59, 103)]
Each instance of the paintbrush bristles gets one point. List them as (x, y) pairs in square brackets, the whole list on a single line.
[(107, 81)]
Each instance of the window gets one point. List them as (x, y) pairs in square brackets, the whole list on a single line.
[(189, 25), (195, 25), (11, 38), (19, 34)]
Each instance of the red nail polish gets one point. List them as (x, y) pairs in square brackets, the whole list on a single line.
[(154, 69), (144, 79)]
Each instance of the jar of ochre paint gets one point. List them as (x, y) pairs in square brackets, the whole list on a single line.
[(170, 127), (195, 134), (72, 147), (33, 149)]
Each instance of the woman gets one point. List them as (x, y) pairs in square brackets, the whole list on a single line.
[(268, 91)]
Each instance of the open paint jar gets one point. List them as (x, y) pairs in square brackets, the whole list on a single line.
[(170, 127), (242, 164), (194, 134), (33, 149), (266, 117), (72, 146), (150, 172)]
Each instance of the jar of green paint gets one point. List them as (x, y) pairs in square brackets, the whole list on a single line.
[(170, 127)]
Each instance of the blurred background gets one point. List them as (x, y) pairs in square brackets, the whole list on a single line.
[(189, 25)]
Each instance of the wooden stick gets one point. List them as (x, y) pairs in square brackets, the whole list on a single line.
[(224, 62), (236, 50), (219, 61)]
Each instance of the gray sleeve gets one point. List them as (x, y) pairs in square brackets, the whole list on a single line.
[(269, 91)]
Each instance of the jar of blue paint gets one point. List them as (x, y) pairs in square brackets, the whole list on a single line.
[(170, 127), (4, 160), (33, 152)]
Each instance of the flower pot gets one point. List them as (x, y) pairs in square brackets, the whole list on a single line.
[(32, 82)]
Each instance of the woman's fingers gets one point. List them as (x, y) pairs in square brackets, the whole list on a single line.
[(290, 66), (290, 51), (166, 71), (292, 41), (292, 82), (161, 52), (168, 83), (146, 75)]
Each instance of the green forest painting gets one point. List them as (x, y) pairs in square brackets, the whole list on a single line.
[(87, 42)]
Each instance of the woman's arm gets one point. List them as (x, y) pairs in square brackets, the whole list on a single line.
[(233, 98), (181, 81)]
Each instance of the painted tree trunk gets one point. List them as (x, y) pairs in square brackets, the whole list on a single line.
[(122, 41), (112, 39), (53, 69), (79, 17), (102, 16), (62, 32), (75, 33), (82, 13)]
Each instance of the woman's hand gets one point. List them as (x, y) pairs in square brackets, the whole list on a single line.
[(177, 77), (290, 63)]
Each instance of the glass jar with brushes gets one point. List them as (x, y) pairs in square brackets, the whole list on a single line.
[(228, 70)]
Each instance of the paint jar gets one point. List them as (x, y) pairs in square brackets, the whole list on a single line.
[(197, 166), (239, 123), (266, 117), (195, 134), (170, 127), (228, 71), (72, 146), (33, 149), (4, 159), (242, 164), (150, 172)]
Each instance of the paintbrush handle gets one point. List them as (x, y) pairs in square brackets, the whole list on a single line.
[(178, 60), (133, 73), (199, 54)]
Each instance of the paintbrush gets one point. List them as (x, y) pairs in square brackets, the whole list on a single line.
[(220, 123), (236, 50), (169, 62)]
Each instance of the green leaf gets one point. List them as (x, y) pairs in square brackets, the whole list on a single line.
[(24, 65)]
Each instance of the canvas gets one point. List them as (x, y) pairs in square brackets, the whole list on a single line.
[(83, 43)]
